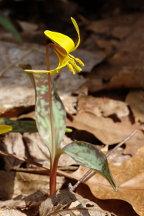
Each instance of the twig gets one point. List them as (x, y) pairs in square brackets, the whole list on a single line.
[(34, 163), (91, 172), (122, 142)]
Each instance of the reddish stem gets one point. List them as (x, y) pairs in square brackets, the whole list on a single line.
[(53, 158), (53, 174)]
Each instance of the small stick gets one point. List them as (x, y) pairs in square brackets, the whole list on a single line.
[(122, 142), (91, 172), (34, 163)]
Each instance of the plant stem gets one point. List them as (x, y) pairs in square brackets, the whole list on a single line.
[(53, 174), (53, 157)]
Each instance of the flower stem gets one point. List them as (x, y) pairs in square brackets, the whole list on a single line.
[(53, 173), (53, 157)]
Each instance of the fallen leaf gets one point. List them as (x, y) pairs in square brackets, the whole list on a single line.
[(121, 69), (135, 99), (71, 203), (113, 76), (102, 106), (105, 129), (24, 202), (13, 144), (11, 212)]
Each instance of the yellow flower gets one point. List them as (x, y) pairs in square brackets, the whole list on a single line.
[(63, 46)]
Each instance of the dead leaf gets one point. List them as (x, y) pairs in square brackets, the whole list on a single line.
[(135, 99), (24, 202), (102, 106), (64, 201), (110, 76), (13, 144), (122, 69), (28, 183), (105, 129), (11, 212), (118, 27)]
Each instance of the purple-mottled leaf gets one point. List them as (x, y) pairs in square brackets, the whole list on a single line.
[(50, 120), (88, 155)]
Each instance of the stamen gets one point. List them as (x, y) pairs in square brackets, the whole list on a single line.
[(73, 63), (79, 61), (76, 59), (71, 68)]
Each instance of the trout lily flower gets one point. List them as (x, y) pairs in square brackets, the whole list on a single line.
[(63, 45)]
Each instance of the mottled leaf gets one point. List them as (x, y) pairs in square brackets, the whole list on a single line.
[(88, 155), (5, 129), (51, 126)]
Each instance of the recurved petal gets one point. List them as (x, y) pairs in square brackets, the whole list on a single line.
[(52, 72), (61, 39), (78, 33)]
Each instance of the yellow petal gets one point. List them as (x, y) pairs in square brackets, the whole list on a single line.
[(61, 39), (78, 33), (52, 72)]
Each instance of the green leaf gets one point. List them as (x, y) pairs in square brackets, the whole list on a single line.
[(5, 129), (51, 125), (7, 24), (20, 126), (88, 155)]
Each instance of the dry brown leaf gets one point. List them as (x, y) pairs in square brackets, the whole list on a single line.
[(24, 202), (129, 178), (102, 106), (105, 129), (28, 183), (118, 27), (134, 143), (13, 144), (35, 149), (135, 99), (11, 212), (69, 103), (63, 201), (114, 76), (122, 69), (24, 182)]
